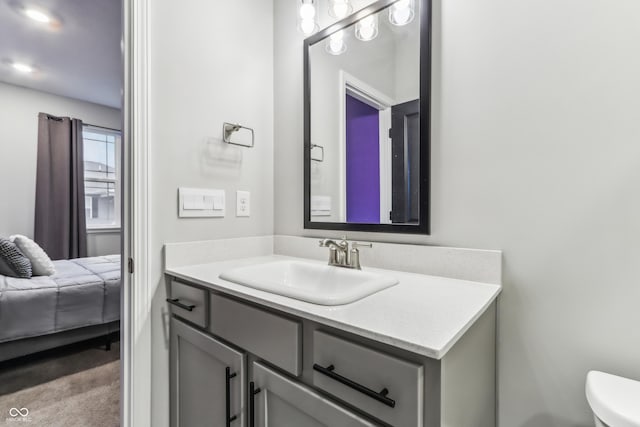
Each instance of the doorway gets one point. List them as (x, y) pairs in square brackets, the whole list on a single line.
[(61, 84)]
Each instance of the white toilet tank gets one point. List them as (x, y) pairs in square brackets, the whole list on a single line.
[(615, 401)]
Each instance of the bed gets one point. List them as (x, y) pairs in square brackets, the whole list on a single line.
[(81, 301)]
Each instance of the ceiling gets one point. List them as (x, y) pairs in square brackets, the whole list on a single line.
[(81, 58)]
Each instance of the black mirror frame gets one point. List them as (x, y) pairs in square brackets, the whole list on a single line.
[(425, 124)]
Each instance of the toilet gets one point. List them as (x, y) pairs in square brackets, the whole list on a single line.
[(615, 401)]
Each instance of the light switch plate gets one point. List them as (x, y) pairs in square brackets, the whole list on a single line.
[(320, 206), (200, 203), (243, 203)]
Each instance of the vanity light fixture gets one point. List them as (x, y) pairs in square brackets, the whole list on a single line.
[(339, 8), (367, 28), (401, 12), (336, 44), (308, 18), (23, 68)]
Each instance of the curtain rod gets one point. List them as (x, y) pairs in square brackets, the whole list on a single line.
[(59, 119), (102, 127)]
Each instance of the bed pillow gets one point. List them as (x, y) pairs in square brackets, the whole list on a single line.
[(13, 263), (41, 264)]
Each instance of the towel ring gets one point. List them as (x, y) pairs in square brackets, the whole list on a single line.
[(228, 129), (321, 159)]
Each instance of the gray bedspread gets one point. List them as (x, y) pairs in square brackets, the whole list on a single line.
[(83, 292)]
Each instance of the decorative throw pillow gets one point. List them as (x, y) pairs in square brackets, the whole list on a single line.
[(40, 261), (13, 263)]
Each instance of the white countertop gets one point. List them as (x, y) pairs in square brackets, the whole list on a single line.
[(422, 314)]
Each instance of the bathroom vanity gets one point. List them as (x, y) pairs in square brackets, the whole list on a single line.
[(419, 353), (259, 338)]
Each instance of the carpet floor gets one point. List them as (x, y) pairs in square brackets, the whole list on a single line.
[(77, 386)]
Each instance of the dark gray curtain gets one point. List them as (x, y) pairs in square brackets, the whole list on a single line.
[(60, 223)]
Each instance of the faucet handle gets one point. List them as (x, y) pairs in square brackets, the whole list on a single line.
[(355, 254), (361, 245)]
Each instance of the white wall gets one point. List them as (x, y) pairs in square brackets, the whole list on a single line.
[(535, 152), (19, 108), (210, 62), (103, 242), (408, 65)]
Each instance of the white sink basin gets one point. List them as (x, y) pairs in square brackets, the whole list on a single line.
[(314, 283)]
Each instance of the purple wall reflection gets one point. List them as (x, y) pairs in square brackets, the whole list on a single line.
[(363, 162)]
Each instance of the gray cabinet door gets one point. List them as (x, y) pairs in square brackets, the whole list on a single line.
[(283, 402), (207, 380)]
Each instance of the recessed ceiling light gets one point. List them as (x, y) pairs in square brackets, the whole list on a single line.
[(23, 68), (37, 15), (32, 11)]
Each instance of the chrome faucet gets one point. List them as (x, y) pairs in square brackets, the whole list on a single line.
[(341, 256)]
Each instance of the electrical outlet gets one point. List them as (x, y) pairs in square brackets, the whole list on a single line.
[(243, 203)]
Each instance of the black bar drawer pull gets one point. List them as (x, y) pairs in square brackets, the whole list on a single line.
[(177, 303), (379, 396), (229, 375), (252, 404)]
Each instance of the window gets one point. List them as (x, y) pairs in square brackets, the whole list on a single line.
[(101, 177)]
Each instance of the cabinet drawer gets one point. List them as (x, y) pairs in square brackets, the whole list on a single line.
[(269, 336), (189, 303), (276, 400), (386, 387)]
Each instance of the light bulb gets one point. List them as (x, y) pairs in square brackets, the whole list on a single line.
[(307, 26), (307, 11), (340, 8), (336, 44), (23, 68), (367, 28), (401, 13), (37, 15), (402, 16), (369, 21), (367, 33)]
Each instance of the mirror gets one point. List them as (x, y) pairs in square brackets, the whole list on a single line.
[(366, 102)]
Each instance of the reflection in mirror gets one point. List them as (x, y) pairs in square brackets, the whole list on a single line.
[(364, 117)]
